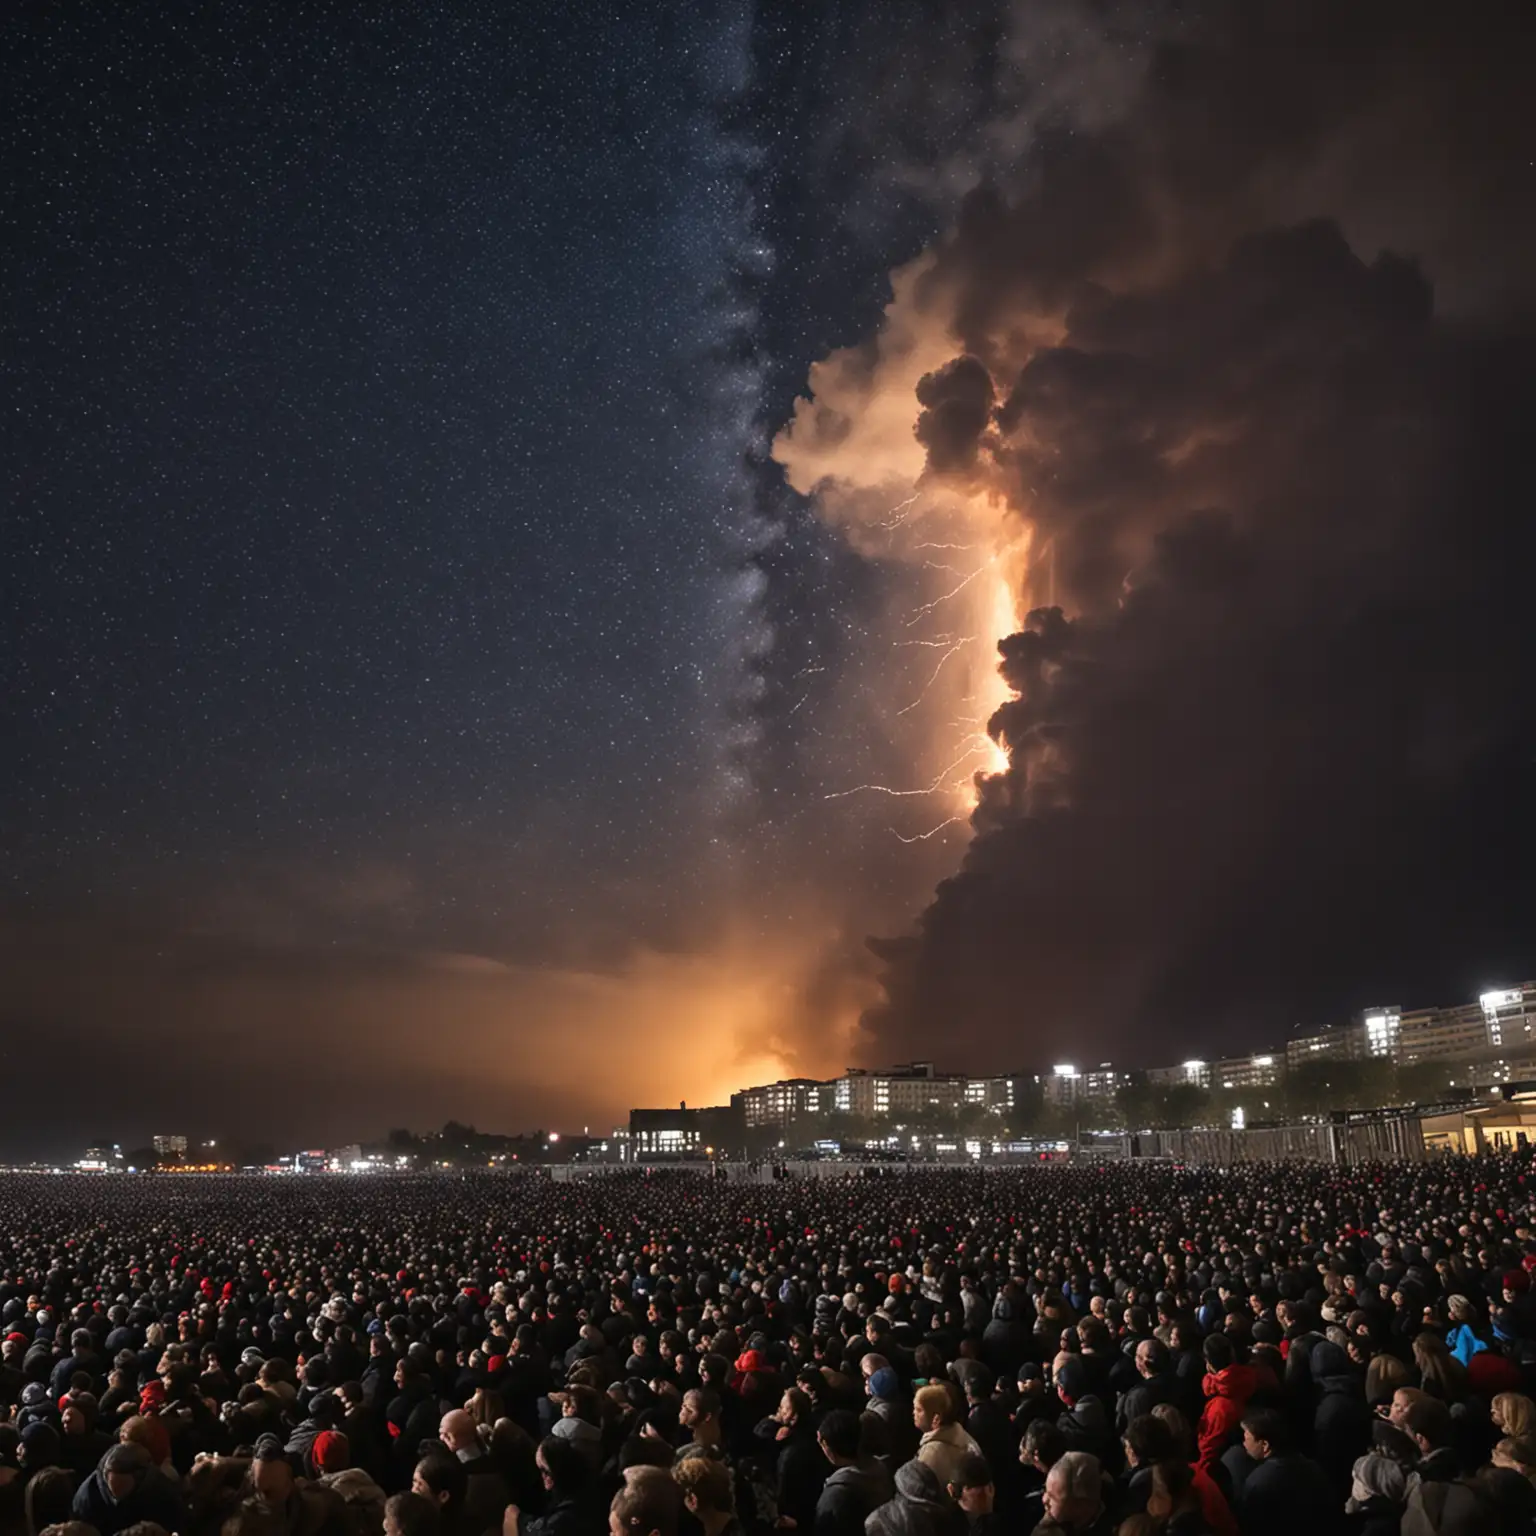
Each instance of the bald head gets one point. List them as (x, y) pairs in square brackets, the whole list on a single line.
[(457, 1431)]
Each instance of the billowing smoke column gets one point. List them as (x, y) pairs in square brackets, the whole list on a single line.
[(1239, 500)]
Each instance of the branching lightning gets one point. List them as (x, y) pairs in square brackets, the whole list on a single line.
[(979, 744), (900, 513), (979, 753), (954, 591), (956, 646)]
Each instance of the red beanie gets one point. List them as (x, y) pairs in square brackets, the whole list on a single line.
[(330, 1452)]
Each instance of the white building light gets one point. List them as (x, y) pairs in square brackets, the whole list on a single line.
[(1066, 1071)]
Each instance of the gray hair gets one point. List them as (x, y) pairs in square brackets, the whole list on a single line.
[(1078, 1476)]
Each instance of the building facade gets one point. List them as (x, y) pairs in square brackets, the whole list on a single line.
[(1066, 1084), (716, 1130), (779, 1103), (1240, 1072)]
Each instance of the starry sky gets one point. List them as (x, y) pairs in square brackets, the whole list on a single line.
[(446, 671)]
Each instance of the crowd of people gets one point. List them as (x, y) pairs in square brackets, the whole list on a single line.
[(1251, 1351)]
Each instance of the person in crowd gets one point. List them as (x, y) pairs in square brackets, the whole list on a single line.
[(1281, 1491), (121, 1492), (1228, 1385), (409, 1514), (707, 1495), (647, 1504), (936, 1415), (1075, 1498), (800, 1468), (918, 1506), (1152, 1383), (1173, 1506), (331, 1458), (442, 1478), (569, 1506), (856, 1485), (1342, 1421), (1084, 1422), (486, 1492)]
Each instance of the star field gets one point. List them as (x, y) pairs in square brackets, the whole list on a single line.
[(354, 421)]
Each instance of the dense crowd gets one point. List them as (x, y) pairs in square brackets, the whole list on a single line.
[(1243, 1352)]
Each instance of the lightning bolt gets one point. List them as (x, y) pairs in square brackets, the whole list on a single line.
[(954, 591), (980, 743), (922, 837), (958, 645), (900, 513)]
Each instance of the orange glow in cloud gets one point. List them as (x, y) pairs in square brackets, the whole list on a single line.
[(852, 445)]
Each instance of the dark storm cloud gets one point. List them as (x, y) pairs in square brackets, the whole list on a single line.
[(956, 403), (1278, 762), (1261, 348)]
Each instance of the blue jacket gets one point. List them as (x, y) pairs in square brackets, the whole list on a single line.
[(1464, 1342)]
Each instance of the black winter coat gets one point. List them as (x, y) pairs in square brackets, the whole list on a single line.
[(156, 1499)]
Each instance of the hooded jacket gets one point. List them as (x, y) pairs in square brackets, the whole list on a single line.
[(155, 1499), (1006, 1339), (1342, 1423), (850, 1495), (920, 1508), (1226, 1397)]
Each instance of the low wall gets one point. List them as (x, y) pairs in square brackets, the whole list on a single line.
[(1399, 1138)]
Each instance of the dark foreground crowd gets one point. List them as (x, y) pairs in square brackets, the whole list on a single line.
[(1245, 1352)]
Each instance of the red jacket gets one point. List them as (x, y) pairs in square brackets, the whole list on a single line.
[(1226, 1396), (1213, 1504)]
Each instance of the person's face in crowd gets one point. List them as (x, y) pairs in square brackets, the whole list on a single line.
[(401, 1377), (1059, 1505), (73, 1419), (119, 1484), (688, 1415), (785, 1412), (1398, 1412), (1145, 1360), (420, 1485), (977, 1502), (272, 1480), (1257, 1449)]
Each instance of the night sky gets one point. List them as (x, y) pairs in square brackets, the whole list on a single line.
[(446, 672)]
